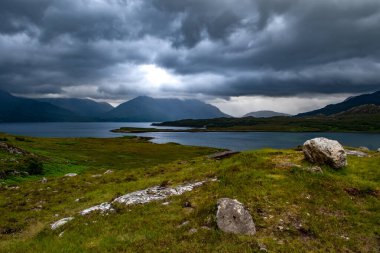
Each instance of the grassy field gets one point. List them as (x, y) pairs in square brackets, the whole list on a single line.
[(294, 210)]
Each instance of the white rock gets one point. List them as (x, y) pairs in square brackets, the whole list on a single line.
[(156, 193), (325, 151), (61, 222), (97, 175), (104, 207), (108, 172), (71, 175)]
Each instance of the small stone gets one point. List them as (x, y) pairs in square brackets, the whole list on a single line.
[(187, 204), (165, 203), (61, 234), (61, 222), (280, 228), (96, 175), (378, 150), (364, 148), (183, 224), (193, 231), (44, 180), (71, 175), (315, 169), (232, 217), (262, 247), (205, 228), (108, 172)]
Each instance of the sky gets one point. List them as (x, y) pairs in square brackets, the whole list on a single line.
[(240, 55)]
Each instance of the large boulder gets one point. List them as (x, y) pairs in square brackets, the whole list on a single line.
[(232, 217), (325, 151)]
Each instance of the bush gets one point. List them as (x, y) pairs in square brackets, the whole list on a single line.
[(33, 165)]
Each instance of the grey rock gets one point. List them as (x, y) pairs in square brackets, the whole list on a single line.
[(325, 151), (61, 222), (378, 150), (44, 180), (364, 148), (232, 217)]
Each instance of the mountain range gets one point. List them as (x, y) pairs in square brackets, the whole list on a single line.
[(140, 109), (147, 109)]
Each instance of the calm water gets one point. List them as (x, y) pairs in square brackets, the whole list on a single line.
[(233, 141)]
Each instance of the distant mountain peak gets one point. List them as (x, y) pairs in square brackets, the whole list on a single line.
[(148, 109), (351, 102)]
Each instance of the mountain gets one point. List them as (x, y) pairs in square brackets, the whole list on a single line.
[(82, 107), (147, 109), (16, 109), (265, 114), (360, 110), (373, 98)]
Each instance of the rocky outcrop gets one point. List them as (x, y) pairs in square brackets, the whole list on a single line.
[(145, 196), (12, 149), (325, 151), (157, 193), (232, 217), (61, 222)]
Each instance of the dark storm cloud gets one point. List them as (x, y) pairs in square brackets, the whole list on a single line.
[(217, 48)]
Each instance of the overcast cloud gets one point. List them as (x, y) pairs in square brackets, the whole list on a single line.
[(229, 52)]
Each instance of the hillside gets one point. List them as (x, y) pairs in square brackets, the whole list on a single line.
[(360, 111), (339, 123), (15, 109), (294, 209), (82, 107), (265, 114), (373, 98), (147, 109)]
